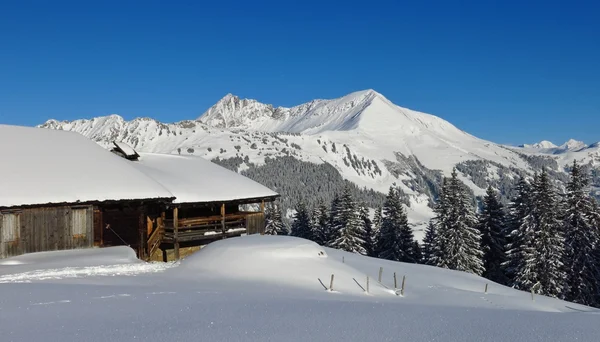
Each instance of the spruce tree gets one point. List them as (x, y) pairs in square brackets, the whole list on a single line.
[(519, 238), (544, 264), (491, 228), (367, 225), (429, 241), (396, 240), (581, 237), (273, 220), (350, 229), (334, 221), (320, 224), (301, 227), (457, 245)]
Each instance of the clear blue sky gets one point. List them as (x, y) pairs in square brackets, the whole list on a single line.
[(508, 71)]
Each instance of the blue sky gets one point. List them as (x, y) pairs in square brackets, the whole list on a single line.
[(507, 71)]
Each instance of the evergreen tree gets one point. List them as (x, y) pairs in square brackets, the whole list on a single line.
[(491, 228), (418, 252), (334, 220), (301, 227), (396, 240), (519, 237), (367, 225), (581, 237), (350, 229), (377, 222), (428, 250), (543, 269), (273, 220), (457, 245), (320, 224)]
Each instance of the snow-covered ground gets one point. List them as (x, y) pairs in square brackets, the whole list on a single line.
[(267, 288)]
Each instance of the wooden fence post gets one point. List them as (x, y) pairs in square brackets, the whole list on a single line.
[(395, 281), (403, 281), (331, 284), (223, 221), (367, 284), (486, 286), (380, 273), (176, 232)]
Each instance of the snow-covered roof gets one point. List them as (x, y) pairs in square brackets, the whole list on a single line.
[(197, 180), (126, 150), (42, 166)]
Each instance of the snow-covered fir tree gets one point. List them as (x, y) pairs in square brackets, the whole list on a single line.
[(519, 244), (491, 227), (320, 224), (350, 230), (395, 240), (334, 220), (377, 222), (581, 237), (302, 225), (273, 220), (418, 252), (545, 263), (367, 224), (457, 244), (428, 250)]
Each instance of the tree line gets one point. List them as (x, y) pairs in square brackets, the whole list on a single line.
[(543, 240)]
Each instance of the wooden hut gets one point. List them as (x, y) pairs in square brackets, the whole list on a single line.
[(207, 201), (59, 190)]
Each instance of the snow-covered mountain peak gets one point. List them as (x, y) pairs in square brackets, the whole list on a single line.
[(541, 145), (573, 145)]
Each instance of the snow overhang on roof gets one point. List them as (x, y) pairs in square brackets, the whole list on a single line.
[(197, 180)]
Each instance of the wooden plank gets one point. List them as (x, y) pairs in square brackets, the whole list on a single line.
[(176, 227), (223, 219)]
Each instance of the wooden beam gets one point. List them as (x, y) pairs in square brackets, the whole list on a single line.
[(176, 228), (223, 219), (262, 206)]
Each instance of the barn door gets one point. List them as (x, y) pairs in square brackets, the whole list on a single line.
[(79, 223), (9, 234)]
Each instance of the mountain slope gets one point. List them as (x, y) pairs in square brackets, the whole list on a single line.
[(364, 137)]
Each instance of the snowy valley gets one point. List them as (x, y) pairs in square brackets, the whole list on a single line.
[(362, 138)]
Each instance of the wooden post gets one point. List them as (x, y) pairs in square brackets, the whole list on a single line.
[(164, 255), (343, 260), (380, 273), (262, 206), (402, 290), (223, 221), (533, 299), (486, 285), (331, 284), (395, 281), (176, 232), (367, 284)]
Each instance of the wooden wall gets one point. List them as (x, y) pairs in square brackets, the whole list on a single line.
[(255, 223), (45, 229)]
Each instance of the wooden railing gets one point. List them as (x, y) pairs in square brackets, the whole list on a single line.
[(156, 235)]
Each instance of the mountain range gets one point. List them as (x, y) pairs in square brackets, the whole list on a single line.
[(361, 138)]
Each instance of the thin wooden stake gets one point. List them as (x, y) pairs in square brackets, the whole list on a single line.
[(331, 284), (380, 273), (533, 299), (343, 260), (403, 281), (367, 284), (395, 281), (486, 286), (176, 232)]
